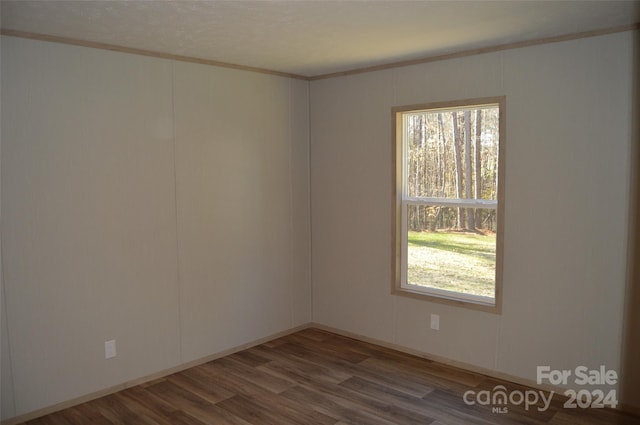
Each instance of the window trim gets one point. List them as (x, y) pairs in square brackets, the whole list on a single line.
[(435, 295)]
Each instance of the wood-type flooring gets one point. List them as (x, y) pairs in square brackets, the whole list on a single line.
[(317, 377)]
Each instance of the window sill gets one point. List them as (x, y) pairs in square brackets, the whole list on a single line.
[(494, 308)]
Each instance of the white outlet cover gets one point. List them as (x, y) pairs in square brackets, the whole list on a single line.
[(110, 349), (435, 322)]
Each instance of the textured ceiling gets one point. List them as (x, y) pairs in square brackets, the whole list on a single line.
[(312, 38)]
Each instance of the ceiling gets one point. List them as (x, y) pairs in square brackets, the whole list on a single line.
[(313, 37)]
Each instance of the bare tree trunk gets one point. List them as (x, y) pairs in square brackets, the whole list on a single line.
[(457, 146), (443, 165), (471, 224), (478, 152), (424, 171)]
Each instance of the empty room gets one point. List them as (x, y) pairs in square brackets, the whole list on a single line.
[(320, 212)]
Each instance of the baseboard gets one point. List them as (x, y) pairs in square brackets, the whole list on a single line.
[(158, 375), (627, 408)]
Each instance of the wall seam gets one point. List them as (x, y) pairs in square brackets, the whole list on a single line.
[(292, 227), (3, 300), (394, 298), (6, 324), (175, 201), (310, 204), (496, 356)]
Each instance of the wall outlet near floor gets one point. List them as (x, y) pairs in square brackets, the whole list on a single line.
[(435, 322), (110, 349)]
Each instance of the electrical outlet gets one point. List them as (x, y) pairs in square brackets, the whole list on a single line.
[(110, 349), (435, 322)]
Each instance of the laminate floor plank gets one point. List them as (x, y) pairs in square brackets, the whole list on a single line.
[(86, 412), (254, 375), (401, 373), (254, 414), (375, 351), (299, 369), (256, 411), (532, 413), (315, 377), (238, 384), (593, 417), (267, 399), (192, 405), (142, 395), (120, 413), (419, 371), (386, 393), (451, 409), (381, 407), (342, 410), (490, 384), (329, 347), (313, 334), (357, 400), (142, 402), (257, 395), (249, 358), (299, 353), (201, 378), (206, 390), (181, 418), (56, 418)]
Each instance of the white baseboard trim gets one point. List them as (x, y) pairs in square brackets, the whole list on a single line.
[(158, 375)]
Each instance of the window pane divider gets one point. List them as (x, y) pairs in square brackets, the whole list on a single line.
[(453, 202)]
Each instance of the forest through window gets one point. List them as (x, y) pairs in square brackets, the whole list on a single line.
[(449, 172)]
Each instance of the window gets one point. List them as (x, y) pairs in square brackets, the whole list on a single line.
[(449, 198)]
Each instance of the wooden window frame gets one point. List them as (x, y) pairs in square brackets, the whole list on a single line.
[(432, 294)]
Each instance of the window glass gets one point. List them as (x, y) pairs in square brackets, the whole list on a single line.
[(449, 177)]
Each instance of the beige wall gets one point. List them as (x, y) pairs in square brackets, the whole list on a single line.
[(6, 382), (242, 228), (630, 365), (161, 204), (568, 108)]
